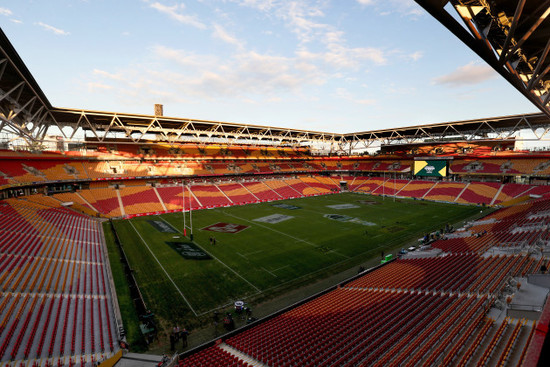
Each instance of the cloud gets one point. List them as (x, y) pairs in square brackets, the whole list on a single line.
[(470, 74), (346, 95), (415, 56), (49, 28), (5, 11), (183, 57), (16, 21), (175, 12), (222, 34), (387, 7), (244, 76), (262, 5), (92, 86)]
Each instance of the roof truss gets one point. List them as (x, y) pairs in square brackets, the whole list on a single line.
[(512, 36)]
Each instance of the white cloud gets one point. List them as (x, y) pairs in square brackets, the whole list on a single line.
[(246, 75), (472, 73), (262, 5), (5, 11), (346, 95), (175, 12), (93, 86), (49, 28), (16, 21), (222, 34), (387, 7), (108, 75), (415, 56), (183, 57)]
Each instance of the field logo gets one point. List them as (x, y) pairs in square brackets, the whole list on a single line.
[(275, 218), (368, 202), (189, 250), (338, 217), (345, 218), (343, 206), (286, 206), (162, 226), (225, 228)]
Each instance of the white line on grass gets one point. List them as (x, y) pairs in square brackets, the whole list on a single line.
[(271, 229), (221, 262), (253, 252), (270, 272), (162, 267), (284, 234), (281, 268)]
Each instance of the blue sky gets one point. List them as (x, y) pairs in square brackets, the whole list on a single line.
[(338, 66)]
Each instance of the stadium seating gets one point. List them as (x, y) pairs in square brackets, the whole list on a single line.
[(140, 200), (390, 187), (283, 189), (237, 193), (105, 200), (261, 191), (416, 189), (47, 306), (445, 191), (479, 193), (209, 196), (301, 187), (370, 185), (172, 197)]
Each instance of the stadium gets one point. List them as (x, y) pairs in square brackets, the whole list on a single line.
[(171, 241)]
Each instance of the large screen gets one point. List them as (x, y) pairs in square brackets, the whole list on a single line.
[(432, 168)]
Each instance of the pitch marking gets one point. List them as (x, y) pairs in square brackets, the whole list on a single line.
[(221, 262), (162, 267), (284, 234)]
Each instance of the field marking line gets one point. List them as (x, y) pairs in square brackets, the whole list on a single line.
[(282, 267), (271, 229), (286, 234), (241, 255), (269, 272), (163, 269), (253, 252), (221, 262)]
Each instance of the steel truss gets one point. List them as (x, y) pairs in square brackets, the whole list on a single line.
[(512, 36), (26, 113)]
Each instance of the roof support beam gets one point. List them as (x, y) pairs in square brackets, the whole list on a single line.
[(528, 33), (512, 30)]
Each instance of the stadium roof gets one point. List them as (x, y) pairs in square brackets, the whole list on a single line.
[(26, 112), (512, 36)]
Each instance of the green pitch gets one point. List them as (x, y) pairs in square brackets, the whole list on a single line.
[(269, 256)]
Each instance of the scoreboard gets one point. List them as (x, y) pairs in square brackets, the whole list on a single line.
[(430, 168)]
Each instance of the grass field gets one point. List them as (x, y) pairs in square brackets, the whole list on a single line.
[(268, 258)]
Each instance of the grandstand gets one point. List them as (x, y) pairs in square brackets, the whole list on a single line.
[(455, 300)]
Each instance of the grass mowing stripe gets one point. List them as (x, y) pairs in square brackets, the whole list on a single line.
[(221, 262), (162, 267)]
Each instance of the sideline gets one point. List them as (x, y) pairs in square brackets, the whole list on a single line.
[(163, 269)]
